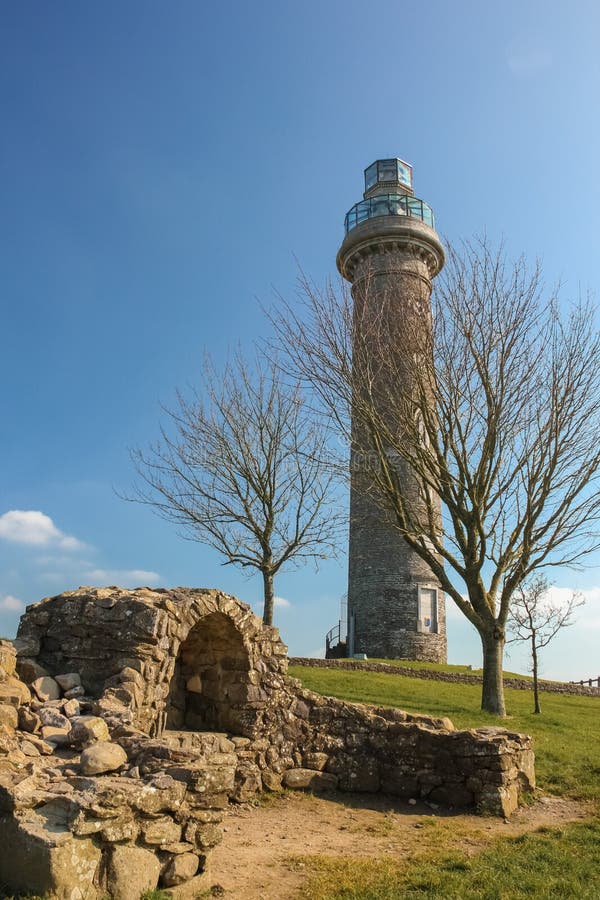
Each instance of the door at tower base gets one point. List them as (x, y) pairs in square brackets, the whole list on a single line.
[(427, 619)]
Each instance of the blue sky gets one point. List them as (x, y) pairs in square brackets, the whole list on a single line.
[(162, 165)]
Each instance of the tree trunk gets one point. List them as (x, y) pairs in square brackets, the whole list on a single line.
[(269, 592), (536, 696), (492, 697)]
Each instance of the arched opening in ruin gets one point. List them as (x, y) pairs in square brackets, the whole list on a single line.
[(209, 688)]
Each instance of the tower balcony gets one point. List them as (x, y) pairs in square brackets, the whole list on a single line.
[(389, 205)]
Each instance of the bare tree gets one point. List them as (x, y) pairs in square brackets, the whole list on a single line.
[(499, 420), (243, 468), (534, 617)]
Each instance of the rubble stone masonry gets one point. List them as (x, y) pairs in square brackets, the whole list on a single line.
[(129, 719)]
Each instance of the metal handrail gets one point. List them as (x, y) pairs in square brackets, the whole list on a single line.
[(335, 635), (388, 205)]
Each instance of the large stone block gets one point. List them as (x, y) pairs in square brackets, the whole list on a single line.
[(452, 795), (39, 855), (54, 735), (248, 781), (14, 692), (399, 781), (46, 688), (214, 780), (161, 794), (68, 681), (181, 868), (88, 730), (54, 718), (9, 715), (501, 800), (29, 670), (316, 761), (206, 836), (309, 780), (8, 657), (161, 831), (131, 871), (102, 757), (361, 777)]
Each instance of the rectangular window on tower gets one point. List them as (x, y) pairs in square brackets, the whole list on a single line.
[(427, 621)]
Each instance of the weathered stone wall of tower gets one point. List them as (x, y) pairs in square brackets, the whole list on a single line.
[(390, 262), (384, 573)]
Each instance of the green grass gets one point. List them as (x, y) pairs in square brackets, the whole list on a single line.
[(428, 666), (442, 667), (552, 863), (566, 735), (8, 896), (432, 667)]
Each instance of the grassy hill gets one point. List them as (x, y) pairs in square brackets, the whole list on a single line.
[(440, 667), (446, 667), (553, 863)]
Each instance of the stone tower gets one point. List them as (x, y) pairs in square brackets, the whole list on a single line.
[(390, 255)]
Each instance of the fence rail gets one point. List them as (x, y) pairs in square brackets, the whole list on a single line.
[(589, 682)]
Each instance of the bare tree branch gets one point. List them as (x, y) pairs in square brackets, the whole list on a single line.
[(537, 619), (243, 467), (494, 409)]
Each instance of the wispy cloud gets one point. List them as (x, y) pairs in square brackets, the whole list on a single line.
[(70, 570), (122, 577), (8, 603), (58, 561), (34, 528), (258, 605)]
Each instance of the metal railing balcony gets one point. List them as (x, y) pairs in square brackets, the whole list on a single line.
[(335, 641), (388, 205)]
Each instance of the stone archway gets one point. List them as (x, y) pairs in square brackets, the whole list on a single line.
[(209, 687)]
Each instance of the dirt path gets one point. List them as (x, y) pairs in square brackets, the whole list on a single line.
[(255, 860)]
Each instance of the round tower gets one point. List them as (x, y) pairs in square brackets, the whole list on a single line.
[(390, 255)]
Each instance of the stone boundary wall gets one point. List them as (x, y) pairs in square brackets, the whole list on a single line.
[(521, 684)]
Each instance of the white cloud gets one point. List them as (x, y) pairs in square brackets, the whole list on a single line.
[(564, 594), (8, 603), (587, 615), (258, 605), (36, 529), (122, 577), (68, 571)]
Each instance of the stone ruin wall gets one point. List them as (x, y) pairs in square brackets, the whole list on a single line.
[(173, 704), (519, 684)]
